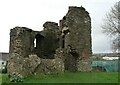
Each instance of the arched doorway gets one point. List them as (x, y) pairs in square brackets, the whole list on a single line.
[(39, 45)]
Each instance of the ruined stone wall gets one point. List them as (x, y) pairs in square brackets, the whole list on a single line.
[(20, 48), (78, 22), (47, 41), (51, 66), (25, 58), (76, 35), (17, 45), (53, 50), (84, 65), (51, 40)]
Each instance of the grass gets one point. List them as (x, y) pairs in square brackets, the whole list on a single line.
[(69, 77)]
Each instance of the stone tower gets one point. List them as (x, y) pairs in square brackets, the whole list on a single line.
[(76, 36)]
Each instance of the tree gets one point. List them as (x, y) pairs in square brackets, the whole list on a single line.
[(111, 26)]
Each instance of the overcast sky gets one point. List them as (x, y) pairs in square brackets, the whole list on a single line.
[(34, 13)]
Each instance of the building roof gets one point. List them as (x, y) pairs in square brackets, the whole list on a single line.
[(4, 56)]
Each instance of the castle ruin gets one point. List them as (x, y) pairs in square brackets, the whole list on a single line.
[(53, 50)]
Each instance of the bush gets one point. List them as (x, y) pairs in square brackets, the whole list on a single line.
[(16, 78)]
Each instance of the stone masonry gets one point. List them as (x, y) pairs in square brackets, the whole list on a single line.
[(53, 50), (76, 36)]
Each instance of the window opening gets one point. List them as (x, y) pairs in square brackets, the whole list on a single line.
[(35, 43)]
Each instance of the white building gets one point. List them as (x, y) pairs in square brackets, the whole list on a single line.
[(110, 58)]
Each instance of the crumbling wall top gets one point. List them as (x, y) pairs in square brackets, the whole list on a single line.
[(75, 8), (22, 28), (50, 25)]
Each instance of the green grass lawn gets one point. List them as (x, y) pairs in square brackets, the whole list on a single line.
[(69, 77)]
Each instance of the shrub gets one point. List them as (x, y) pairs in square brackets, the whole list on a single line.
[(15, 78)]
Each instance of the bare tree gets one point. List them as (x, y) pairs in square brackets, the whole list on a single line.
[(111, 26)]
